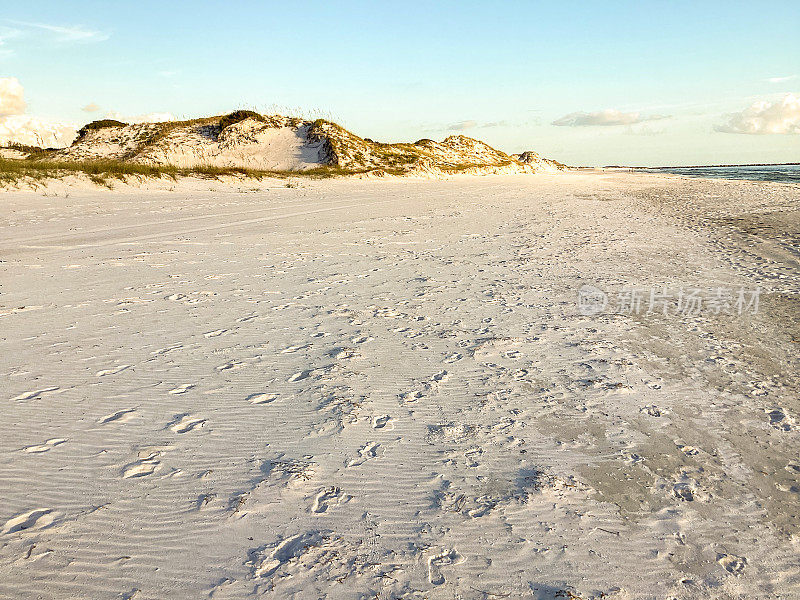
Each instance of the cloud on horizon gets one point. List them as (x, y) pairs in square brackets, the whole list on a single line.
[(91, 107), (16, 126), (464, 125), (33, 131), (45, 32), (66, 34), (5, 35), (12, 97), (781, 117), (780, 79), (604, 118)]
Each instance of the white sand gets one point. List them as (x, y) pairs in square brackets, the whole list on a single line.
[(270, 148), (383, 389)]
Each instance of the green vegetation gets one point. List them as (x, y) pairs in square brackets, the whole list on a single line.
[(24, 148), (33, 152), (238, 116), (101, 124), (162, 130), (103, 172), (345, 153)]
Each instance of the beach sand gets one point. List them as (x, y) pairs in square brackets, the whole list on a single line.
[(388, 389)]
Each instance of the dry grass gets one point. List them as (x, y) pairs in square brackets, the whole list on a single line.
[(101, 124), (103, 172), (238, 116)]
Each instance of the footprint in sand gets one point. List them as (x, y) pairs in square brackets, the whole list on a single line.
[(328, 497), (381, 422), (732, 564), (215, 333), (112, 371), (287, 551), (33, 394), (300, 375), (343, 353), (453, 358), (121, 415), (166, 350), (49, 444), (146, 465), (471, 456), (367, 451), (780, 420), (683, 491), (30, 521), (261, 398), (186, 423), (653, 410), (411, 396), (292, 349), (440, 377), (182, 389), (231, 364), (437, 561)]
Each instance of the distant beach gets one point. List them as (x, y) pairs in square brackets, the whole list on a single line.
[(787, 172)]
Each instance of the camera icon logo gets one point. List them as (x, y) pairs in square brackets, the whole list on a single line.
[(591, 300)]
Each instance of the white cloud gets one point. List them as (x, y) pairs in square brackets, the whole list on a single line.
[(604, 118), (764, 117), (462, 125), (15, 126), (781, 79), (67, 34), (33, 131), (6, 34), (12, 97), (91, 107)]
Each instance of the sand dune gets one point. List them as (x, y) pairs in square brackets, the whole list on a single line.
[(273, 142), (385, 389)]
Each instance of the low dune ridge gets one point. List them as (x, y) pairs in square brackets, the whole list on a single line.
[(247, 139)]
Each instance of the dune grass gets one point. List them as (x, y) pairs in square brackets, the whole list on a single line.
[(101, 124), (103, 172), (237, 116)]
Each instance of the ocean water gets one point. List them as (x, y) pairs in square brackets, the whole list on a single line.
[(785, 173)]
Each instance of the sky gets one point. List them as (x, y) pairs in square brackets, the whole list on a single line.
[(586, 83)]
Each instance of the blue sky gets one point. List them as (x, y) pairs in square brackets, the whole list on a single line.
[(624, 82)]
